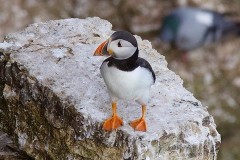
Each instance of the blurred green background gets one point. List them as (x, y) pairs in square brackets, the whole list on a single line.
[(212, 73)]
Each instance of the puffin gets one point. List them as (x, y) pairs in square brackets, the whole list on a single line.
[(189, 28), (126, 76)]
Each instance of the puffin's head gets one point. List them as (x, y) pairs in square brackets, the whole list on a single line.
[(121, 45)]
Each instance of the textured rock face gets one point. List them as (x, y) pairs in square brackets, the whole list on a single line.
[(57, 100)]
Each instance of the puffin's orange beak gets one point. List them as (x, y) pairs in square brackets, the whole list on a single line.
[(102, 49)]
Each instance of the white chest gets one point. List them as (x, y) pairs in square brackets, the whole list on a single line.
[(132, 85)]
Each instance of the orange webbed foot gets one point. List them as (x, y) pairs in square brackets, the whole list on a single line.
[(139, 125), (112, 123)]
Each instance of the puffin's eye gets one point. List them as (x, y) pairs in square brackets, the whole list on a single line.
[(119, 44)]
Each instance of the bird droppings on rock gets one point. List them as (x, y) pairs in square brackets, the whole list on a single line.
[(58, 106)]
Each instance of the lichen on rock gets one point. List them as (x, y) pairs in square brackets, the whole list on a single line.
[(57, 100)]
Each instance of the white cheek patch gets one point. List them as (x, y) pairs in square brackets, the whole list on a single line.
[(205, 18), (125, 43), (124, 52)]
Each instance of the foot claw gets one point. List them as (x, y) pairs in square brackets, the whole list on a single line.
[(139, 125), (112, 123)]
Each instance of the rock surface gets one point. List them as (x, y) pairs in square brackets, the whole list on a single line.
[(57, 100)]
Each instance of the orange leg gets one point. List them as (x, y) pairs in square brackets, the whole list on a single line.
[(140, 124), (113, 122)]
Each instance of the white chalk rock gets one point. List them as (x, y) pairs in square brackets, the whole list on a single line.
[(57, 99)]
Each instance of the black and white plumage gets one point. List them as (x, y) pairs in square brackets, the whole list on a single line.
[(126, 75)]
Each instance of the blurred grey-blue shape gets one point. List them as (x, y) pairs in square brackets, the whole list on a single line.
[(188, 28)]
